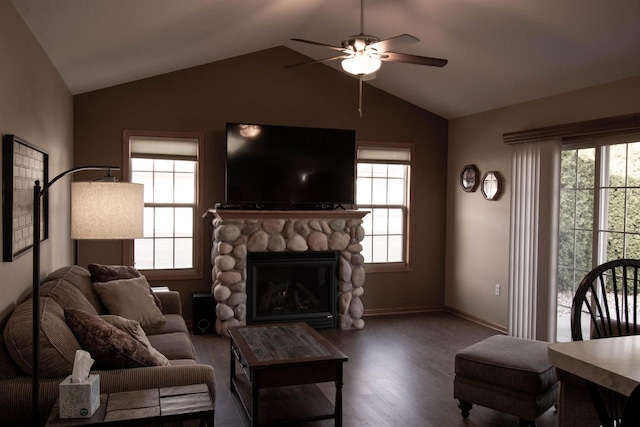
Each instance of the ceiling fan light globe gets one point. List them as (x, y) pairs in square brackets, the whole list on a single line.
[(361, 65)]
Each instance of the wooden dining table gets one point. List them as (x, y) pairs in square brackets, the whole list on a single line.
[(613, 363)]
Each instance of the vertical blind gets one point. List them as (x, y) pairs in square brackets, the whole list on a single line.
[(533, 245)]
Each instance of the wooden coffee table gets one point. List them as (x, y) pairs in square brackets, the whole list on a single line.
[(282, 363), (156, 405)]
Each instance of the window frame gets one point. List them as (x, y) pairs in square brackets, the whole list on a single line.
[(197, 272), (576, 272), (407, 264)]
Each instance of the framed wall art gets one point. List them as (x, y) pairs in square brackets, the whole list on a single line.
[(22, 165)]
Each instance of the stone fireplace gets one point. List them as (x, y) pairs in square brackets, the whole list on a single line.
[(240, 234)]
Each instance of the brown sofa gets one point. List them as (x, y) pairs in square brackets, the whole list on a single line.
[(71, 287)]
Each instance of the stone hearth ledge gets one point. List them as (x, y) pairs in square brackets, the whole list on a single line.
[(237, 232)]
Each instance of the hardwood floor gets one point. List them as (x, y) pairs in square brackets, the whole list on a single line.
[(399, 374)]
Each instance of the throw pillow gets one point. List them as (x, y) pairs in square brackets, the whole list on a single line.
[(130, 298), (58, 346), (110, 347), (107, 273), (133, 328)]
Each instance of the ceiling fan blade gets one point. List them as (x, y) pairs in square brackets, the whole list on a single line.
[(319, 60), (413, 59), (393, 43), (338, 48)]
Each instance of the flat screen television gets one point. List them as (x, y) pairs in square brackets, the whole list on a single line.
[(284, 167)]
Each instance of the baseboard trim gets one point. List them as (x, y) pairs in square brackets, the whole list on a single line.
[(474, 319), (402, 310), (433, 309)]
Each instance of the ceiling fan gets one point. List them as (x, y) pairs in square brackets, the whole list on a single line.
[(363, 54)]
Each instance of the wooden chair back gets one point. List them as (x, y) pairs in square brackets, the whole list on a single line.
[(608, 296)]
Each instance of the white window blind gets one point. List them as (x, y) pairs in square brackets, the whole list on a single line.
[(398, 155), (164, 148)]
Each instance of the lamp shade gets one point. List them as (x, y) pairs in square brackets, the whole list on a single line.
[(361, 64), (106, 210)]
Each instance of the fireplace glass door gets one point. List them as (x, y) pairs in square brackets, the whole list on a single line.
[(293, 286)]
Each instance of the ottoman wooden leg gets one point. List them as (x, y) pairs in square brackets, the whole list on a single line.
[(465, 407)]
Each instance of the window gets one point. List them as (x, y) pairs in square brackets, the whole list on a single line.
[(168, 164), (383, 188), (577, 191), (599, 213)]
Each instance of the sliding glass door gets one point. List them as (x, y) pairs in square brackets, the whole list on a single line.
[(599, 214)]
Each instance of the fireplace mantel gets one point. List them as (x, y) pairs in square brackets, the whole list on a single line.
[(274, 214), (237, 232)]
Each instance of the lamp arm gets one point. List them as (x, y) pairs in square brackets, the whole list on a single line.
[(74, 170), (38, 192)]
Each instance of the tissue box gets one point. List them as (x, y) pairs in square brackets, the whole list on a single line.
[(79, 399)]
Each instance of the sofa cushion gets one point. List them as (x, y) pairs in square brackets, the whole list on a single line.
[(108, 273), (174, 346), (133, 328), (176, 362), (81, 279), (8, 368), (130, 298), (110, 347), (172, 323), (58, 345)]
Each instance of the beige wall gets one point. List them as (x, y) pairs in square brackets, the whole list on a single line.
[(478, 230), (35, 105), (258, 88)]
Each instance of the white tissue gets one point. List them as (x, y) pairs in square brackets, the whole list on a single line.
[(81, 366)]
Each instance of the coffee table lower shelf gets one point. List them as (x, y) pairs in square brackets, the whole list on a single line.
[(285, 405)]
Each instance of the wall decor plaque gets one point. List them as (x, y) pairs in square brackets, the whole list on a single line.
[(491, 185), (469, 178)]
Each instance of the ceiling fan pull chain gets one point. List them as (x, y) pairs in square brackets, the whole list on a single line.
[(360, 98)]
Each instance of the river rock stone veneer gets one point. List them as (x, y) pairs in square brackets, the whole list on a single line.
[(238, 232)]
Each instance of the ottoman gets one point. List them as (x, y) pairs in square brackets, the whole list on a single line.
[(508, 374)]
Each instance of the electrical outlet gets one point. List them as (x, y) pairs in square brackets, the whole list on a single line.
[(497, 290)]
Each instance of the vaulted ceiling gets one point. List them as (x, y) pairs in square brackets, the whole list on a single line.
[(500, 52)]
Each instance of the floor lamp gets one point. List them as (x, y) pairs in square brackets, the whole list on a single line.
[(100, 210)]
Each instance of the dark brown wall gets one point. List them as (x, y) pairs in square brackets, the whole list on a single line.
[(258, 88)]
